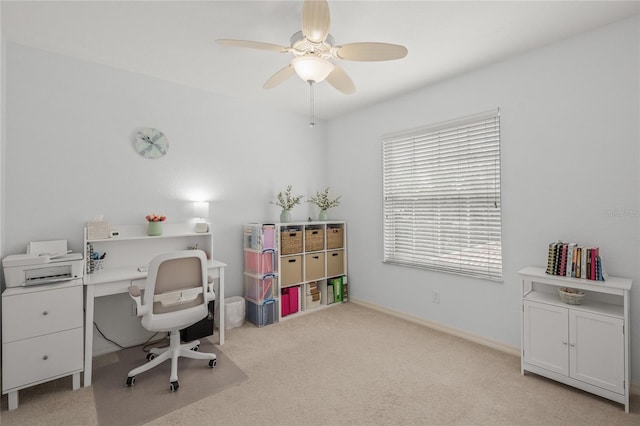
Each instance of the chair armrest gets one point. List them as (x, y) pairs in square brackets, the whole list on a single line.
[(135, 294), (134, 291), (211, 294)]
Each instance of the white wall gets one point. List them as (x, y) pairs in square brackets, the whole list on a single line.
[(3, 102), (69, 156), (570, 157), (3, 62)]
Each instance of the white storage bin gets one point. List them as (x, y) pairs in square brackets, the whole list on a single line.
[(234, 312)]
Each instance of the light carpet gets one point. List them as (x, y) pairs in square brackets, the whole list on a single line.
[(150, 396), (354, 366)]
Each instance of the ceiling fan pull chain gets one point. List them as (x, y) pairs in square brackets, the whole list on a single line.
[(311, 106)]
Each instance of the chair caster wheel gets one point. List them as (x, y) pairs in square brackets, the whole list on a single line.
[(196, 348), (212, 363), (150, 356), (131, 381), (174, 386)]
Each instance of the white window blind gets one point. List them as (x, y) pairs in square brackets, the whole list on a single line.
[(441, 188)]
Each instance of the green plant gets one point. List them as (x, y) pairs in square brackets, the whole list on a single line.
[(323, 201), (285, 200)]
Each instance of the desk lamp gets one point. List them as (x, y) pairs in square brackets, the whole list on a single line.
[(201, 211)]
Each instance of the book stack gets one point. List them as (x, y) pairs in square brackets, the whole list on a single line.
[(574, 260), (313, 295), (314, 292)]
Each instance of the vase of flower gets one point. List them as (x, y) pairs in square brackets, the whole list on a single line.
[(285, 216), (154, 224), (286, 201), (324, 203)]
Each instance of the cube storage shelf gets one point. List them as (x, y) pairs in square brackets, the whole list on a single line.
[(297, 266)]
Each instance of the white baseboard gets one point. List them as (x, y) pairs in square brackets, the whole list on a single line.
[(511, 350), (441, 327)]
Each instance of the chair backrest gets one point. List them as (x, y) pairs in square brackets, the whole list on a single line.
[(176, 288)]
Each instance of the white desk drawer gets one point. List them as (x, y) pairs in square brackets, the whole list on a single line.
[(39, 359), (41, 312)]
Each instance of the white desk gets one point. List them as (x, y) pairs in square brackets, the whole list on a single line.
[(134, 248), (116, 281)]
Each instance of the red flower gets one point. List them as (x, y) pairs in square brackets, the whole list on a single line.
[(155, 218)]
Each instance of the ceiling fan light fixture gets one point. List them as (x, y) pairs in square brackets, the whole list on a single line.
[(312, 68)]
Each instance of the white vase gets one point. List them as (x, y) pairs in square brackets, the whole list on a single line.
[(285, 216), (323, 216)]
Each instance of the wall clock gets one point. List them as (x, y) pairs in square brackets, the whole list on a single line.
[(151, 143)]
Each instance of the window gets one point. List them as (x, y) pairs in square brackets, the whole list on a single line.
[(441, 187)]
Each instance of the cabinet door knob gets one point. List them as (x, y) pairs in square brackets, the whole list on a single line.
[(45, 313), (564, 342), (45, 357), (572, 344)]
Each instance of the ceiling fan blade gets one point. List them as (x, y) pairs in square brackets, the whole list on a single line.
[(341, 81), (315, 20), (252, 45), (368, 51), (279, 77)]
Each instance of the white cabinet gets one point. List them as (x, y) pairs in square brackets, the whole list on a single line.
[(42, 330), (586, 345)]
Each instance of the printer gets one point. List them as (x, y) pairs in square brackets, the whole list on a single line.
[(45, 262)]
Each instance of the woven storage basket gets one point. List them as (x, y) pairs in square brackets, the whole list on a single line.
[(571, 296), (291, 241), (335, 237), (313, 239)]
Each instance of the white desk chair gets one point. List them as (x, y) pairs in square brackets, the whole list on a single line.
[(176, 295)]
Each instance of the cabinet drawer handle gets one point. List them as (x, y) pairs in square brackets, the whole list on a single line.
[(315, 257), (45, 357), (334, 254), (45, 313), (292, 260)]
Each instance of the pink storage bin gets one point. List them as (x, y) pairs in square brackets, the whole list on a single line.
[(284, 302), (289, 300), (259, 288), (269, 237), (260, 263)]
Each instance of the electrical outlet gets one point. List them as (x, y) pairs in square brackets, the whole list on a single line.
[(435, 296)]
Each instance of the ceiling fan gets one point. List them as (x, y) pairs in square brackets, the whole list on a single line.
[(314, 49)]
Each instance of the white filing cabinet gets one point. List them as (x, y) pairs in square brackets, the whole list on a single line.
[(42, 336), (586, 345)]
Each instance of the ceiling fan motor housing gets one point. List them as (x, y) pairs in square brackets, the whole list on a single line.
[(303, 46)]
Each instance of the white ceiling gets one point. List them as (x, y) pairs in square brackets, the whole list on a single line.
[(175, 40)]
